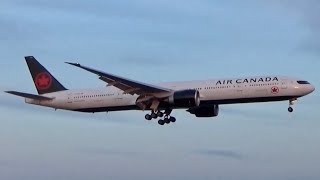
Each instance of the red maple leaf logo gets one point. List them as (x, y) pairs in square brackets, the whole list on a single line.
[(43, 81), (275, 90)]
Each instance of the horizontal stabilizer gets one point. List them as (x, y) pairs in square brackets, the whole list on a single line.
[(30, 96)]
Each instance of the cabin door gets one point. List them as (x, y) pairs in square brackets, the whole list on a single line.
[(239, 91), (70, 98), (284, 84)]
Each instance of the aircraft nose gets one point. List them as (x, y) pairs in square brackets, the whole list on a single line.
[(309, 89), (312, 88)]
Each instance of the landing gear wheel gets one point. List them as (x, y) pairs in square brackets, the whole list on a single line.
[(290, 109), (172, 119), (161, 122), (167, 120), (154, 115), (160, 114), (148, 117)]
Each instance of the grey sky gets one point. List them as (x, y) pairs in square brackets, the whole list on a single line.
[(156, 41)]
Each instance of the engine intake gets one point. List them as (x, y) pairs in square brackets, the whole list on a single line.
[(185, 98)]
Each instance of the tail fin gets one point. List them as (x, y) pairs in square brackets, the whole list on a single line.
[(42, 78)]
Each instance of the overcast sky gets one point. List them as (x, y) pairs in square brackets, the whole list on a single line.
[(159, 41)]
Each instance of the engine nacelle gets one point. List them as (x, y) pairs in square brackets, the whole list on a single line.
[(212, 111), (185, 99)]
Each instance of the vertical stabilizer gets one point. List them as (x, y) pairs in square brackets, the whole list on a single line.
[(42, 78)]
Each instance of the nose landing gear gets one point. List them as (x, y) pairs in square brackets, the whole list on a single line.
[(291, 103)]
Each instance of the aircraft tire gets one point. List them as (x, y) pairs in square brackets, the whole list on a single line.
[(160, 114), (167, 120), (148, 117), (154, 116), (161, 122), (173, 119)]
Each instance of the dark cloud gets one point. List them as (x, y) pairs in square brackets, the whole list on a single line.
[(203, 152), (220, 153)]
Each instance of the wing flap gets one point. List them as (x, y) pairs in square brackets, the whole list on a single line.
[(30, 96)]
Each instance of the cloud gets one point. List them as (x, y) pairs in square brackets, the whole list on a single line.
[(203, 152), (220, 153)]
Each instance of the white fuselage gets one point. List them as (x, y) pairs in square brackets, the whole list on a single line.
[(224, 91)]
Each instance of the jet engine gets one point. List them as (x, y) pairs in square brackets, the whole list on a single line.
[(211, 111), (185, 99)]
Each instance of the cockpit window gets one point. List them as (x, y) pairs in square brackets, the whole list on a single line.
[(303, 82)]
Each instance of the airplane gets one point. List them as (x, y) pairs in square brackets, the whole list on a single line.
[(200, 98)]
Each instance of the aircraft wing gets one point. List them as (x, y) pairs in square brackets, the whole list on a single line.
[(128, 86)]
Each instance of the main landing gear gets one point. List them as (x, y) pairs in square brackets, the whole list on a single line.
[(166, 120), (153, 115), (291, 103)]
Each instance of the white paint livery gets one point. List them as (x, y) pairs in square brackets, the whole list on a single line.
[(125, 94)]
